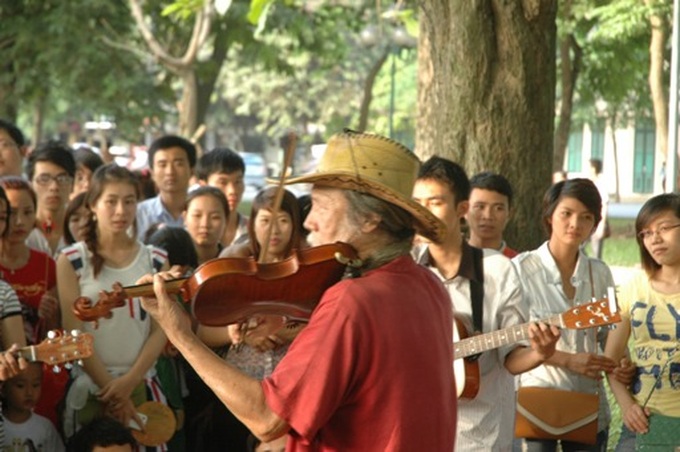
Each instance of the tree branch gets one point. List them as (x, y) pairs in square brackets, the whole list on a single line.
[(172, 63), (200, 33)]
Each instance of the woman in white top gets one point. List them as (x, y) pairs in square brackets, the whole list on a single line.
[(120, 375), (556, 277)]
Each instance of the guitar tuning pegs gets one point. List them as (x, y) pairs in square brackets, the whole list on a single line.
[(80, 362), (56, 369), (75, 333), (51, 334), (68, 366)]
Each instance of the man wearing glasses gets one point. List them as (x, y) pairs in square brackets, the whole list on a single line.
[(51, 168), (12, 149)]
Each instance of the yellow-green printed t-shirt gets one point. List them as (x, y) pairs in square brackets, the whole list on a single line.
[(655, 330)]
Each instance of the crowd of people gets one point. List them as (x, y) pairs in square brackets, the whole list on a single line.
[(373, 368)]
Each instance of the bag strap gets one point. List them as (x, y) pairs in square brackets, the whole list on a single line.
[(477, 289)]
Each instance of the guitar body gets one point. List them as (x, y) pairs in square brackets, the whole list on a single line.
[(160, 424), (465, 371)]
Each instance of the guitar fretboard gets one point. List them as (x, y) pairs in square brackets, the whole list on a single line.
[(477, 344)]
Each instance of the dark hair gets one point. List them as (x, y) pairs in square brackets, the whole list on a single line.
[(74, 204), (3, 197), (305, 203), (487, 180), (219, 160), (56, 152), (173, 141), (265, 200), (86, 157), (147, 188), (102, 431), (449, 173), (13, 131), (105, 175), (178, 244), (583, 190), (669, 202), (597, 165), (18, 183), (208, 191)]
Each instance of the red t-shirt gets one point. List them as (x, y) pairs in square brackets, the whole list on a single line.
[(30, 282), (373, 368)]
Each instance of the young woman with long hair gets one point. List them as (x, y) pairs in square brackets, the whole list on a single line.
[(120, 375)]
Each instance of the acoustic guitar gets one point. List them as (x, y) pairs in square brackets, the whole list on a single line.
[(58, 348), (466, 370)]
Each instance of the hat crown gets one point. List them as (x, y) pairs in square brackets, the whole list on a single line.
[(373, 158)]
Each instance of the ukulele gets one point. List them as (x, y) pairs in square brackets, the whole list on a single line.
[(466, 371), (59, 347), (159, 424)]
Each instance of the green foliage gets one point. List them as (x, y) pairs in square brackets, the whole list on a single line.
[(55, 56), (183, 9)]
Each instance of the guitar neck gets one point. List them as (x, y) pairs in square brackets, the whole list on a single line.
[(29, 353), (489, 341)]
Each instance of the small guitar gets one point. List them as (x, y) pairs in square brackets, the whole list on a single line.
[(466, 371), (159, 424), (60, 347)]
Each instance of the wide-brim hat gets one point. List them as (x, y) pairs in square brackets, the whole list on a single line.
[(376, 165)]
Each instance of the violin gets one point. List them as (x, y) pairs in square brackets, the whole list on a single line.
[(229, 290)]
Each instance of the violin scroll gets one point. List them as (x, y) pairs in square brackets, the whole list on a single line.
[(87, 312)]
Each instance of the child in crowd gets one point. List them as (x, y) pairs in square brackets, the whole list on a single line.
[(76, 219), (25, 430), (225, 169), (101, 435), (120, 375)]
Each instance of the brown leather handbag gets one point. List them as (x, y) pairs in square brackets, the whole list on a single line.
[(547, 413)]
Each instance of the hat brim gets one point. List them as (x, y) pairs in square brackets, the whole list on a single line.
[(426, 224)]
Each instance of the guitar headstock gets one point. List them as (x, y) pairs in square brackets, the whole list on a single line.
[(598, 313), (87, 312), (60, 347)]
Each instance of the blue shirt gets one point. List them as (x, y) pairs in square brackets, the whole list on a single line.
[(152, 211)]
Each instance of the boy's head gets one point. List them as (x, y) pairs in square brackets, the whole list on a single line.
[(490, 206), (443, 187), (103, 434), (22, 392), (12, 149), (224, 169), (172, 160), (51, 168)]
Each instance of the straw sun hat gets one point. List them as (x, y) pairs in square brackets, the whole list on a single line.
[(378, 166)]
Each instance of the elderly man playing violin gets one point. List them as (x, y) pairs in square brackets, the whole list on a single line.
[(373, 368)]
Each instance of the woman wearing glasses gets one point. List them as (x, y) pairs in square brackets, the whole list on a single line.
[(650, 311), (51, 168)]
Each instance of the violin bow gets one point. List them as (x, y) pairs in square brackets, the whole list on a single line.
[(287, 162)]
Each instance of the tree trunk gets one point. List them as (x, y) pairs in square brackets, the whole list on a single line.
[(209, 71), (486, 95), (188, 103), (38, 119), (367, 98), (571, 56), (657, 86)]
